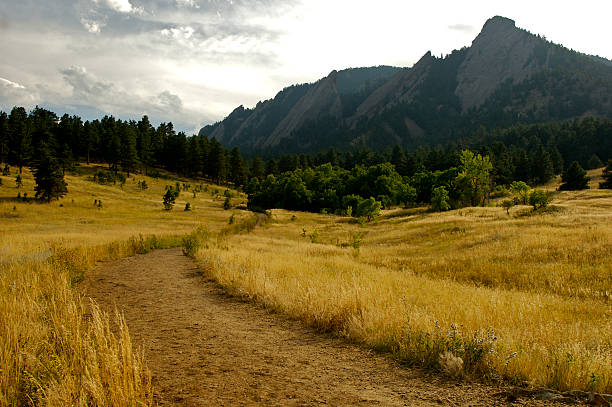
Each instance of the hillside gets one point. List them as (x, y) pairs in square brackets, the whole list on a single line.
[(507, 76)]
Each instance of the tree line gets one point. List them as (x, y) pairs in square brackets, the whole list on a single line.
[(529, 153)]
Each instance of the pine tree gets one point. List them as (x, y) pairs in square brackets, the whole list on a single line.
[(4, 137), (48, 175), (238, 172), (129, 153), (542, 169), (594, 162), (216, 161), (574, 178), (258, 169), (607, 176), (19, 138)]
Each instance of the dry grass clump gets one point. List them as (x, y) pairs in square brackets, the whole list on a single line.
[(525, 298)]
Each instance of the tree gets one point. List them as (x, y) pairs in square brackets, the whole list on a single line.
[(539, 199), (216, 161), (574, 178), (473, 179), (129, 153), (507, 204), (238, 171), (258, 168), (542, 168), (370, 208), (48, 175), (169, 198), (439, 200), (594, 162), (521, 191), (19, 138), (607, 176), (4, 137)]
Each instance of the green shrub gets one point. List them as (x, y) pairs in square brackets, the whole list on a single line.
[(540, 199)]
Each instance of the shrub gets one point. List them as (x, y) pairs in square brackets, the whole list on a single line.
[(193, 241), (227, 204), (187, 207), (439, 199), (540, 199), (169, 199)]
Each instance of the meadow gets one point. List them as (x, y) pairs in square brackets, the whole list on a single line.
[(521, 298), (56, 348)]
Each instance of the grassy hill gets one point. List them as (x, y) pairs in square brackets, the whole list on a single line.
[(523, 298)]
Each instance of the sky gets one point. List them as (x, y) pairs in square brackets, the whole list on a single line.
[(192, 62)]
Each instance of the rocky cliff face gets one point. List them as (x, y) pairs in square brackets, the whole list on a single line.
[(506, 76), (500, 52)]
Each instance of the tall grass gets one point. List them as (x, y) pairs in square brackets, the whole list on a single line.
[(57, 348), (524, 299)]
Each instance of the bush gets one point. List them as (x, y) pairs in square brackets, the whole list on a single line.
[(193, 241), (169, 198), (521, 191), (187, 207), (227, 204), (540, 199), (439, 199)]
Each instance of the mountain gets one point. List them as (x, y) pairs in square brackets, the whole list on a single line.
[(507, 76)]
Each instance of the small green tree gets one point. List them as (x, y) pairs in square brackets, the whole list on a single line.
[(521, 191), (19, 181), (169, 199), (227, 204), (473, 179), (540, 199), (369, 208), (507, 205), (439, 199), (574, 178)]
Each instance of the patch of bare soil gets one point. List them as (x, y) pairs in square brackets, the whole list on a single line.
[(205, 349)]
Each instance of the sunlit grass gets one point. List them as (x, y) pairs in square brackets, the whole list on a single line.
[(56, 348), (540, 283)]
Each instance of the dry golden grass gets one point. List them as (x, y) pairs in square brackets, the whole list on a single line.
[(55, 348), (473, 283), (422, 284)]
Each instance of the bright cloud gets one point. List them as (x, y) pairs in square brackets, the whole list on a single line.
[(187, 3), (9, 84), (121, 6)]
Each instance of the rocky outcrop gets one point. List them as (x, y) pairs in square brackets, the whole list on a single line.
[(500, 52)]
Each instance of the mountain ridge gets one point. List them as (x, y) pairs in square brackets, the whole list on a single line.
[(507, 76)]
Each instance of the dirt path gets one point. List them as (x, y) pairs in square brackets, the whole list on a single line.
[(205, 349)]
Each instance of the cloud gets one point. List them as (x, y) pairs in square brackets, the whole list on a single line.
[(92, 26), (170, 101), (120, 6), (187, 3), (180, 33), (464, 28), (9, 84)]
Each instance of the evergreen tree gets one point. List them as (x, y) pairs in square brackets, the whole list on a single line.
[(271, 167), (557, 160), (48, 175), (574, 178), (19, 138), (238, 172), (607, 176), (216, 161), (144, 146), (4, 137), (542, 169), (129, 153), (258, 168), (594, 162), (194, 157)]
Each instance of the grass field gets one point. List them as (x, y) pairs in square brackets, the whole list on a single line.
[(56, 348), (523, 298)]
